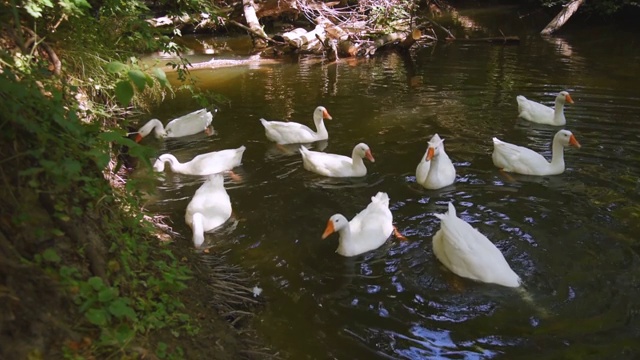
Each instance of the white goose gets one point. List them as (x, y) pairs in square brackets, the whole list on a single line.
[(203, 164), (337, 165), (367, 231), (186, 125), (435, 170), (521, 160), (542, 114), (209, 208), (292, 132), (467, 253)]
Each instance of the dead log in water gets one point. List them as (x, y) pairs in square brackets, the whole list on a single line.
[(305, 41), (222, 63)]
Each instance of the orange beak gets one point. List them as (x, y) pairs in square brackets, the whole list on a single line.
[(430, 153), (369, 156), (138, 138), (325, 115), (568, 99), (329, 230), (574, 142)]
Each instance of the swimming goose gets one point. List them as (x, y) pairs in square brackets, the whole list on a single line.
[(189, 124), (467, 253), (203, 164), (521, 160), (435, 169), (209, 208), (292, 132), (367, 231), (542, 114), (337, 165)]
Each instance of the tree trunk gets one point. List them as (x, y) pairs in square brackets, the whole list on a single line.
[(250, 16), (562, 17)]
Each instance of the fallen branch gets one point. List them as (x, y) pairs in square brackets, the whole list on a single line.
[(441, 28), (216, 64), (260, 34), (342, 44), (562, 17), (251, 18), (305, 40)]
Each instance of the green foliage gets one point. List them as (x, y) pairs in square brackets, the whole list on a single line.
[(36, 8), (56, 153), (188, 6), (390, 16), (133, 78), (60, 136)]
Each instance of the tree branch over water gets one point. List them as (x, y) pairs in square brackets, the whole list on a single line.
[(562, 17)]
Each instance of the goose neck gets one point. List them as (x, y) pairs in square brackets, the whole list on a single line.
[(198, 229), (557, 155), (321, 130), (158, 129)]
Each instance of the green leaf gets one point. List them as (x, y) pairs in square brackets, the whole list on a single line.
[(138, 78), (124, 92), (162, 77), (96, 283), (161, 351), (97, 317), (99, 156), (149, 80), (107, 294), (111, 136), (51, 255), (124, 334), (69, 272), (71, 166), (31, 171), (115, 67), (120, 308)]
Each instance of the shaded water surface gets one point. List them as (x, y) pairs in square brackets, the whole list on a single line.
[(572, 238)]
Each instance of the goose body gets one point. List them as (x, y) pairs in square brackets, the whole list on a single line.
[(467, 253), (283, 132), (203, 164), (190, 124), (542, 114), (368, 230), (521, 160), (334, 165), (435, 169), (209, 208)]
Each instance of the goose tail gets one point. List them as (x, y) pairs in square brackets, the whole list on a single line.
[(382, 198)]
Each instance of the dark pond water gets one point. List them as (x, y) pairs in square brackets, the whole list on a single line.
[(572, 238)]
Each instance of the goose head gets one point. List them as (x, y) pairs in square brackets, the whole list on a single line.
[(159, 164), (321, 113), (435, 145), (564, 97), (147, 128), (336, 223), (566, 138), (362, 150)]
